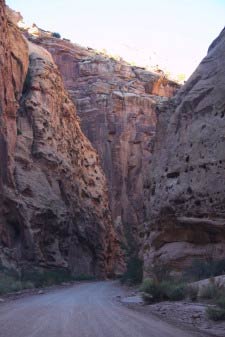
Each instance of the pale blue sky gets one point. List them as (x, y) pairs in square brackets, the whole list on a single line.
[(174, 33)]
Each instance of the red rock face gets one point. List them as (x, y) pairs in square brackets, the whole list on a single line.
[(116, 105), (13, 67), (186, 203), (54, 199), (168, 188)]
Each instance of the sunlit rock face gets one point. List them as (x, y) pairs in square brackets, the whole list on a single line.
[(54, 208), (186, 205), (116, 105), (13, 69)]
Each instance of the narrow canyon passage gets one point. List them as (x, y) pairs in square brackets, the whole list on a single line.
[(84, 310)]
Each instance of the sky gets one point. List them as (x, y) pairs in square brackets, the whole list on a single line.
[(175, 34)]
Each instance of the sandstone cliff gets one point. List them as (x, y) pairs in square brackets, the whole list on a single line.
[(186, 207), (162, 157), (54, 200), (116, 105)]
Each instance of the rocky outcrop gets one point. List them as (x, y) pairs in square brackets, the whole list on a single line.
[(187, 186), (16, 19), (54, 199), (116, 105)]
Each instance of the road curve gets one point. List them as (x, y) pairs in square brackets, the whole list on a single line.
[(82, 310)]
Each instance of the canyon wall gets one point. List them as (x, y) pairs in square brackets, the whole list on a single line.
[(13, 69), (116, 105), (186, 208), (54, 208), (162, 156)]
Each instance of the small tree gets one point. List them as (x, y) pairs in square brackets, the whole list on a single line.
[(134, 273), (57, 35)]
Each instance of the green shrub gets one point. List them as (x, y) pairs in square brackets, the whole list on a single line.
[(43, 278), (192, 293), (218, 267), (11, 281), (173, 291), (27, 285), (57, 35), (200, 270), (84, 277), (8, 284), (151, 291), (134, 273), (154, 291), (34, 276), (160, 272), (211, 291), (218, 297), (220, 301), (147, 284), (177, 292), (215, 313), (9, 272)]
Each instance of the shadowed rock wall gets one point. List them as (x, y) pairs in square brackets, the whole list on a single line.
[(186, 207)]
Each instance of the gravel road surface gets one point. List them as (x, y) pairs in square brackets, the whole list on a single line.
[(82, 310)]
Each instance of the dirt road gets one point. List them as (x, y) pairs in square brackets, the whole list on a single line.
[(83, 310)]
